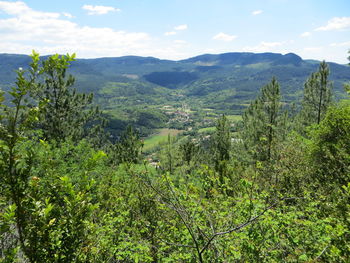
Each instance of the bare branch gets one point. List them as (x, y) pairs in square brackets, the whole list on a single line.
[(322, 252), (239, 227)]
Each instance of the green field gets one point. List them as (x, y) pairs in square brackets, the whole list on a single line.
[(234, 118), (207, 130), (160, 137)]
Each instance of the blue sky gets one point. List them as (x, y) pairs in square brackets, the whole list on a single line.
[(176, 29)]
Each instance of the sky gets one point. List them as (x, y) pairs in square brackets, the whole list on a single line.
[(176, 29)]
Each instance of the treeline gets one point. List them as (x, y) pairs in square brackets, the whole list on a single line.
[(278, 191)]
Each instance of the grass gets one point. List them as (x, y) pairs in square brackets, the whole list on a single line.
[(207, 130), (160, 137), (234, 118)]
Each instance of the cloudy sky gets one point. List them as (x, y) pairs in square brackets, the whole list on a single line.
[(176, 29)]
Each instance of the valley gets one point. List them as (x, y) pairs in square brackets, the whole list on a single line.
[(188, 164), (150, 93)]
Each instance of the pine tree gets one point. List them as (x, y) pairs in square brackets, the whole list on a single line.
[(66, 113), (347, 85), (221, 140), (220, 145), (271, 105), (317, 96), (263, 123), (188, 151), (128, 148)]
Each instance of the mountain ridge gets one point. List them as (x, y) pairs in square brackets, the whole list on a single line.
[(261, 54), (202, 77)]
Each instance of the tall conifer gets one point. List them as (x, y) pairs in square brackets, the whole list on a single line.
[(66, 113), (263, 122), (317, 96)]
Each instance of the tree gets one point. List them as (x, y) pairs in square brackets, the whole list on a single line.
[(317, 96), (16, 163), (330, 148), (39, 201), (188, 151), (347, 85), (263, 123), (330, 176), (221, 140), (220, 146), (128, 148), (66, 113)]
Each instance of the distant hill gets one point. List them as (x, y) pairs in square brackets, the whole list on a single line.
[(245, 58), (220, 81)]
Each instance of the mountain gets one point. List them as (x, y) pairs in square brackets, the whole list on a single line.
[(224, 81), (238, 58)]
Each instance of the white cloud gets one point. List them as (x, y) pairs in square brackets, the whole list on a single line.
[(176, 28), (68, 15), (181, 27), (26, 29), (180, 42), (338, 54), (99, 9), (265, 47), (224, 37), (336, 23), (305, 34), (20, 8), (257, 12), (171, 33), (313, 49), (342, 44), (14, 8)]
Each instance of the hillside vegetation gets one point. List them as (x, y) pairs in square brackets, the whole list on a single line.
[(268, 185), (123, 87)]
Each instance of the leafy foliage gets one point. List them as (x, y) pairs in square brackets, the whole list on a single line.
[(65, 113), (128, 148), (63, 200), (330, 150)]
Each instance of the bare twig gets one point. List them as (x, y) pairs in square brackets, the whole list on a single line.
[(239, 227), (322, 252)]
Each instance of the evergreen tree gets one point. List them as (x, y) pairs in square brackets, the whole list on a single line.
[(220, 145), (188, 151), (347, 85), (128, 148), (317, 96), (263, 123), (221, 140), (66, 113)]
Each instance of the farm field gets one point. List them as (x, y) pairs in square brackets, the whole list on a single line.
[(159, 137)]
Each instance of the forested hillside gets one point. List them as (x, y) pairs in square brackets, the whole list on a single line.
[(218, 72), (125, 87), (270, 185)]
